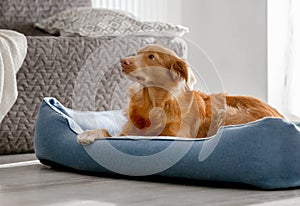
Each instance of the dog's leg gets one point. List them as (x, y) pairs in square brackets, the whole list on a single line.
[(157, 119), (89, 136)]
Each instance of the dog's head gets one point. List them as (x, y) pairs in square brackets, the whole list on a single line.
[(158, 66)]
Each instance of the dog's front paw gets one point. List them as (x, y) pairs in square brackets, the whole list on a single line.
[(86, 137), (89, 136)]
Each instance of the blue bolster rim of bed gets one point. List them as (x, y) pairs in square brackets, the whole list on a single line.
[(264, 153)]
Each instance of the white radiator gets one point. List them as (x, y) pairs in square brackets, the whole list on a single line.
[(146, 10)]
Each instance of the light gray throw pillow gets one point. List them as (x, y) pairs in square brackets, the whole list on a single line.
[(94, 22)]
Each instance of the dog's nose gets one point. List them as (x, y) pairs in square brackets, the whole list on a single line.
[(124, 62)]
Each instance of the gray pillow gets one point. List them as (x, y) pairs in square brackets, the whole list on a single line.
[(94, 22)]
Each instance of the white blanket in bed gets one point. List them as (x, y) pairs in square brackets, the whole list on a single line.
[(13, 49)]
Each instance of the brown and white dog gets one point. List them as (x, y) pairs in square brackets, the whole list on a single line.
[(165, 104)]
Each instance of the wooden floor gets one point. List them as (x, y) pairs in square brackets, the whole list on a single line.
[(24, 181)]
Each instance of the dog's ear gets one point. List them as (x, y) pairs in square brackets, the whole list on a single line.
[(179, 69)]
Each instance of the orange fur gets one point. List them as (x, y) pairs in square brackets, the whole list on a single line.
[(197, 106), (164, 103)]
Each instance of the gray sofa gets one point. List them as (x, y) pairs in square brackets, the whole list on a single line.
[(67, 68)]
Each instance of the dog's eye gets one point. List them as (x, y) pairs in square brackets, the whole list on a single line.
[(151, 56)]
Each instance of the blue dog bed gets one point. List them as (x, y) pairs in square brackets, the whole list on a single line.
[(264, 153)]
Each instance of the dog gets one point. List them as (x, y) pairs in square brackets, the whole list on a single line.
[(163, 102)]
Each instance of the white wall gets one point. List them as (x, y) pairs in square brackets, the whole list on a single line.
[(278, 20), (234, 34), (147, 10), (175, 11)]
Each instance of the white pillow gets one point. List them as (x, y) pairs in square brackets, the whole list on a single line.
[(93, 22)]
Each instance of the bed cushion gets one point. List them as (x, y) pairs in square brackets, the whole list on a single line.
[(263, 153), (94, 22)]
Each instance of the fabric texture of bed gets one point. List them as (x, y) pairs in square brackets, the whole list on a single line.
[(46, 56), (263, 153)]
